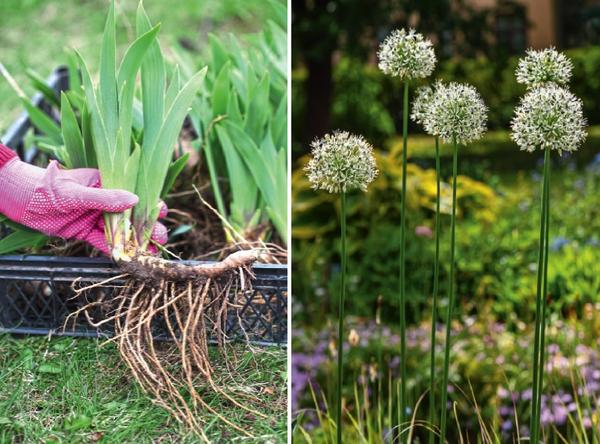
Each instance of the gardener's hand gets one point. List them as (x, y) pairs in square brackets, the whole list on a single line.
[(64, 203)]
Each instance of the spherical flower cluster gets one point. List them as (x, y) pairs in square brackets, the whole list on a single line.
[(541, 67), (456, 112), (549, 117), (406, 55), (421, 104), (341, 162)]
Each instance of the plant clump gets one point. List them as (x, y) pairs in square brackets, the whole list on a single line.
[(136, 154)]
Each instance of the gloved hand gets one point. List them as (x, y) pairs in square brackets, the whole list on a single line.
[(63, 203)]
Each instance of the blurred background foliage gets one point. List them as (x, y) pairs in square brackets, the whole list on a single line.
[(334, 60), (37, 32), (336, 84)]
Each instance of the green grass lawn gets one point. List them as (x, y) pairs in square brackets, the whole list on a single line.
[(68, 390), (36, 33)]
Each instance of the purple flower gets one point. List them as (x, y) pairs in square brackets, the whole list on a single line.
[(560, 415), (546, 416), (424, 231)]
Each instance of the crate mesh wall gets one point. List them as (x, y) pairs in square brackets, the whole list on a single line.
[(40, 305)]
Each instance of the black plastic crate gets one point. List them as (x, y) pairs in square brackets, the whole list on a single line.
[(36, 294)]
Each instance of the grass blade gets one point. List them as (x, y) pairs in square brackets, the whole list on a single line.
[(258, 110), (153, 86), (130, 65), (42, 122), (99, 135), (107, 90), (174, 87), (218, 52), (72, 135), (21, 239), (244, 193), (157, 162), (220, 93), (174, 171), (88, 140), (40, 84)]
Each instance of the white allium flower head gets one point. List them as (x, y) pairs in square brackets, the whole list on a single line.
[(341, 162), (406, 55), (545, 66), (421, 104), (456, 111), (549, 116)]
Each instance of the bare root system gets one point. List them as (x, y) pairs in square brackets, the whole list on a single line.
[(191, 304)]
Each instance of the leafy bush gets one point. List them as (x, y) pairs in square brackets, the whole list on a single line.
[(240, 117), (496, 251), (356, 106)]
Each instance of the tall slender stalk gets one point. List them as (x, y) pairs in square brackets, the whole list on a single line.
[(341, 320), (451, 296), (540, 312), (436, 274), (332, 157), (542, 365), (402, 413)]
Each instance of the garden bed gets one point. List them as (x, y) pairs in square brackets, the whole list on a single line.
[(36, 292)]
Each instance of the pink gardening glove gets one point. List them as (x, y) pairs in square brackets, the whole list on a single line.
[(63, 203)]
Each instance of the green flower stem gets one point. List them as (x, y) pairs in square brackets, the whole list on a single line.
[(402, 413), (544, 289), (436, 275), (342, 297), (540, 312), (451, 297)]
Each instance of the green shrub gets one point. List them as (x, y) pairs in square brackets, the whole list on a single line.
[(496, 251), (373, 235)]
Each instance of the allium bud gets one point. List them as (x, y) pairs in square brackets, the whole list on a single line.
[(456, 112), (341, 162), (406, 55), (353, 338), (549, 117), (538, 68)]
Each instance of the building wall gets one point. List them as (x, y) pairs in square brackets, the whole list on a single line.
[(541, 16)]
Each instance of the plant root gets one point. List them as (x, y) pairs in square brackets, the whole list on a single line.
[(192, 304), (155, 268)]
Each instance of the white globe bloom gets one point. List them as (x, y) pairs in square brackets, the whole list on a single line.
[(456, 112), (545, 66), (407, 55), (421, 104), (549, 117), (341, 162)]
